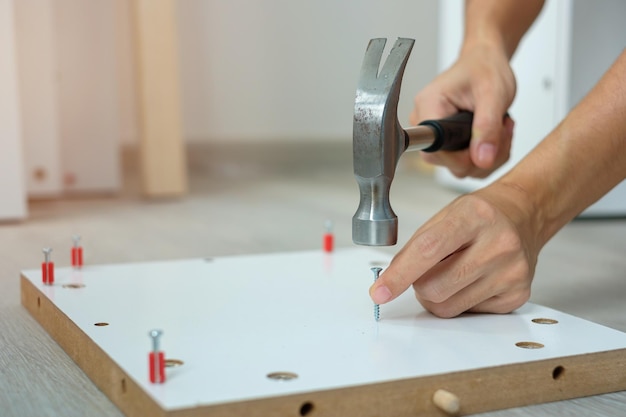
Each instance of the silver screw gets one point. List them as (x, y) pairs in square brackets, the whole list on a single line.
[(46, 253), (76, 239), (376, 270), (329, 226), (156, 336)]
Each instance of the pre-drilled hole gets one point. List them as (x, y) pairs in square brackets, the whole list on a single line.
[(558, 372), (543, 320), (172, 363), (38, 302), (306, 408), (123, 385), (282, 376), (101, 324), (74, 285), (529, 345)]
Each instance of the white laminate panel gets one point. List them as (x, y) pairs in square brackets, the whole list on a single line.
[(233, 320)]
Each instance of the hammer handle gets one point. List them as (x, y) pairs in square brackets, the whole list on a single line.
[(452, 133)]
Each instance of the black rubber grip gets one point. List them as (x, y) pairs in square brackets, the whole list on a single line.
[(452, 133)]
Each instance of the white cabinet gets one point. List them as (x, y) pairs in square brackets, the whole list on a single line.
[(12, 190), (59, 101), (67, 63), (564, 54)]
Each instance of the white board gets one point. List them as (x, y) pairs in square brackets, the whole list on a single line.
[(234, 320)]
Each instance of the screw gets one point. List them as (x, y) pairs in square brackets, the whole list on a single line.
[(155, 335), (46, 253), (329, 226), (76, 239), (376, 270)]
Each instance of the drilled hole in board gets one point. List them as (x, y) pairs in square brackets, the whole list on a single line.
[(282, 376), (306, 408), (172, 363), (543, 320), (38, 302), (123, 385), (558, 372), (529, 345), (101, 324), (73, 285)]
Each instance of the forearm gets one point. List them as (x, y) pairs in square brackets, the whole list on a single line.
[(499, 23), (581, 160)]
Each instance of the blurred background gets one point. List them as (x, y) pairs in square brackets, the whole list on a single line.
[(82, 80)]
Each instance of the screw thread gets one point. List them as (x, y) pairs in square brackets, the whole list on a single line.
[(376, 271)]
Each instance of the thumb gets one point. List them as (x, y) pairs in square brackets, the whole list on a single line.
[(486, 133)]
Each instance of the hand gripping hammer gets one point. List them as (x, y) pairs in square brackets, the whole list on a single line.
[(379, 140)]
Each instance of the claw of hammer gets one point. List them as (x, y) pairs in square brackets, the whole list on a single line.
[(379, 140)]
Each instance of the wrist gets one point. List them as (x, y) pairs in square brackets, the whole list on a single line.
[(500, 23), (521, 208), (484, 40)]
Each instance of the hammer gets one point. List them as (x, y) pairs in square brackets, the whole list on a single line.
[(379, 140)]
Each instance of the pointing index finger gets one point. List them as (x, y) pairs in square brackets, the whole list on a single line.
[(429, 245)]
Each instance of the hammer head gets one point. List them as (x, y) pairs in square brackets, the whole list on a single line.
[(378, 141)]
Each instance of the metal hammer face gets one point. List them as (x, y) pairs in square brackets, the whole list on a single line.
[(378, 141)]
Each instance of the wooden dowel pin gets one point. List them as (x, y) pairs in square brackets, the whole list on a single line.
[(447, 402)]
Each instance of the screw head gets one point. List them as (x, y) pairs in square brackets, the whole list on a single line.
[(376, 270), (46, 252), (155, 335)]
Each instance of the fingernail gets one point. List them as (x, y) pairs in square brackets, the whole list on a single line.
[(381, 295), (486, 153)]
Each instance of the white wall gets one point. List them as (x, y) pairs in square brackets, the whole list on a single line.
[(287, 70), (270, 69)]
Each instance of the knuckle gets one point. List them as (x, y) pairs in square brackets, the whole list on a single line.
[(427, 244), (458, 172), (433, 294), (509, 242), (523, 272), (429, 291), (481, 208), (445, 310), (463, 272), (512, 301)]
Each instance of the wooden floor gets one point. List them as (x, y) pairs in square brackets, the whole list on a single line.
[(255, 199)]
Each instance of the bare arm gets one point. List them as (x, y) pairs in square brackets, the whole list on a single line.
[(581, 160), (499, 23)]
